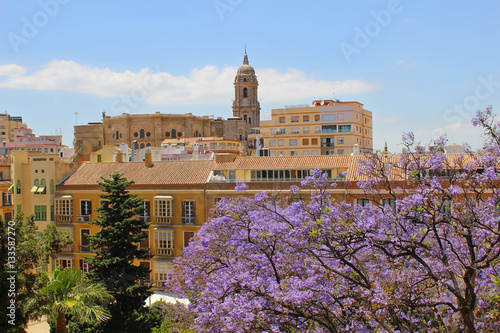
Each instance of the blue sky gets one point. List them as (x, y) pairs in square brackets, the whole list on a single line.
[(424, 66)]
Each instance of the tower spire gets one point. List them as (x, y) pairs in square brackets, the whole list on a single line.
[(245, 58)]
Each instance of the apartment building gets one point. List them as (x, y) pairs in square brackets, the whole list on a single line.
[(328, 127)]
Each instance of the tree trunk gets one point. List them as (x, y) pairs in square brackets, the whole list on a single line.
[(61, 323)]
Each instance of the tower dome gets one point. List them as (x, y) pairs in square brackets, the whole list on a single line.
[(246, 68)]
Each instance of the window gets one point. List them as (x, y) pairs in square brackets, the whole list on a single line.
[(161, 271), (305, 152), (295, 130), (173, 132), (40, 213), (364, 202), (188, 235), (305, 142), (141, 134), (305, 130), (188, 212), (295, 119), (282, 120), (305, 119), (64, 263), (344, 128), (329, 129), (84, 240), (272, 143), (314, 152), (293, 142), (51, 189), (18, 186), (145, 243), (340, 141), (36, 184), (245, 92), (314, 141), (281, 142), (164, 242), (163, 209), (316, 117), (84, 267), (391, 202), (64, 207), (148, 134), (340, 151), (293, 153), (85, 207), (147, 211), (99, 158), (52, 212), (329, 117), (282, 131)]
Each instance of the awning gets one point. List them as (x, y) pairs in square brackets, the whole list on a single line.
[(65, 256), (34, 189), (164, 197), (163, 261), (67, 196), (164, 228), (41, 189)]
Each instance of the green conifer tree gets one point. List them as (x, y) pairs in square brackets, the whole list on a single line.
[(116, 246)]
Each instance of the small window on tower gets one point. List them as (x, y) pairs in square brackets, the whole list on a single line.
[(244, 80), (245, 92)]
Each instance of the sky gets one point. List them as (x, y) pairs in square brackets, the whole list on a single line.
[(422, 66)]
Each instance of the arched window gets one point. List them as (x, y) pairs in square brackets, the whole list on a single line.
[(18, 186), (141, 134), (43, 185), (174, 133), (117, 135), (245, 92), (148, 144), (250, 120), (196, 133), (245, 79), (51, 186), (142, 145), (245, 118)]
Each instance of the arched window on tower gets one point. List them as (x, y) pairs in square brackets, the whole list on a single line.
[(174, 133), (141, 134), (245, 92), (244, 80), (250, 120), (117, 134), (245, 118)]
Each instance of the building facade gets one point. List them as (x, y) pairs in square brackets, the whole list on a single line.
[(325, 128), (7, 125)]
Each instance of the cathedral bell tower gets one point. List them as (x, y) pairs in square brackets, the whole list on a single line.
[(246, 103)]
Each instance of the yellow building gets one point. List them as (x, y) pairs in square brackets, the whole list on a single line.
[(174, 201), (326, 128), (5, 189), (34, 177), (7, 125)]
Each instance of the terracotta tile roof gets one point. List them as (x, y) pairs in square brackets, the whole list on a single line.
[(286, 162), (161, 173)]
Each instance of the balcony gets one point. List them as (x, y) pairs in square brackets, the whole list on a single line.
[(64, 218), (84, 249), (164, 252), (83, 219), (188, 220), (66, 249), (164, 220), (327, 144)]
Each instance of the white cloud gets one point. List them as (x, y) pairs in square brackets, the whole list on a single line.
[(404, 63), (208, 85), (12, 70)]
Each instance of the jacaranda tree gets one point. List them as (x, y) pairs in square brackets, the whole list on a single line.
[(422, 256)]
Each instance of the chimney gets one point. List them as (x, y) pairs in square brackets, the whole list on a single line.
[(355, 150), (148, 160)]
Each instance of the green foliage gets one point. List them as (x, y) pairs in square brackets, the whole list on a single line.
[(117, 247), (71, 292), (174, 318), (32, 253)]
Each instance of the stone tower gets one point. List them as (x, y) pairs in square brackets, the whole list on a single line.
[(246, 103)]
